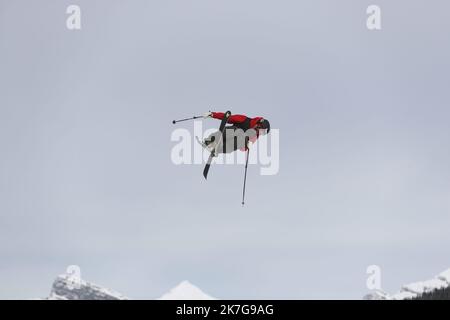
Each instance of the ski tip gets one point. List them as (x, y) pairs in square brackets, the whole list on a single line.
[(173, 121)]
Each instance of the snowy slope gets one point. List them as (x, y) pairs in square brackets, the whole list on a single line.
[(415, 289), (186, 291)]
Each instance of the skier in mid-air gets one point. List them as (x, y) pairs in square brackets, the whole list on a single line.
[(243, 129), (230, 138)]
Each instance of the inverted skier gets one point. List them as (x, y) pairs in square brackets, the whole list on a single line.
[(236, 136), (227, 139)]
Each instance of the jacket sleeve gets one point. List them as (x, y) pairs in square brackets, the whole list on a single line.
[(235, 118)]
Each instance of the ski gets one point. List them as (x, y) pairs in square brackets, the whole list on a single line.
[(221, 130)]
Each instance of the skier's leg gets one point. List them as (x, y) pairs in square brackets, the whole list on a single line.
[(232, 135)]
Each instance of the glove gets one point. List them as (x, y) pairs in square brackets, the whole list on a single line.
[(208, 115)]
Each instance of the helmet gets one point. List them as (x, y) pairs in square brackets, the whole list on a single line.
[(265, 124)]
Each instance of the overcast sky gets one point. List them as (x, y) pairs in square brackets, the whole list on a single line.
[(85, 124)]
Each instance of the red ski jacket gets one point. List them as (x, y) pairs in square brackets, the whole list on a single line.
[(241, 121)]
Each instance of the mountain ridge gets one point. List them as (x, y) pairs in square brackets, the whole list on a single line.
[(415, 290)]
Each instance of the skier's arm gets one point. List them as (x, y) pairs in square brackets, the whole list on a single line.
[(235, 118)]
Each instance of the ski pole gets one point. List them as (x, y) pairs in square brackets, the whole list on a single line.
[(245, 175), (194, 117)]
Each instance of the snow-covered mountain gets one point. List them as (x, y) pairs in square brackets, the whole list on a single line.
[(68, 287), (186, 291), (414, 290)]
